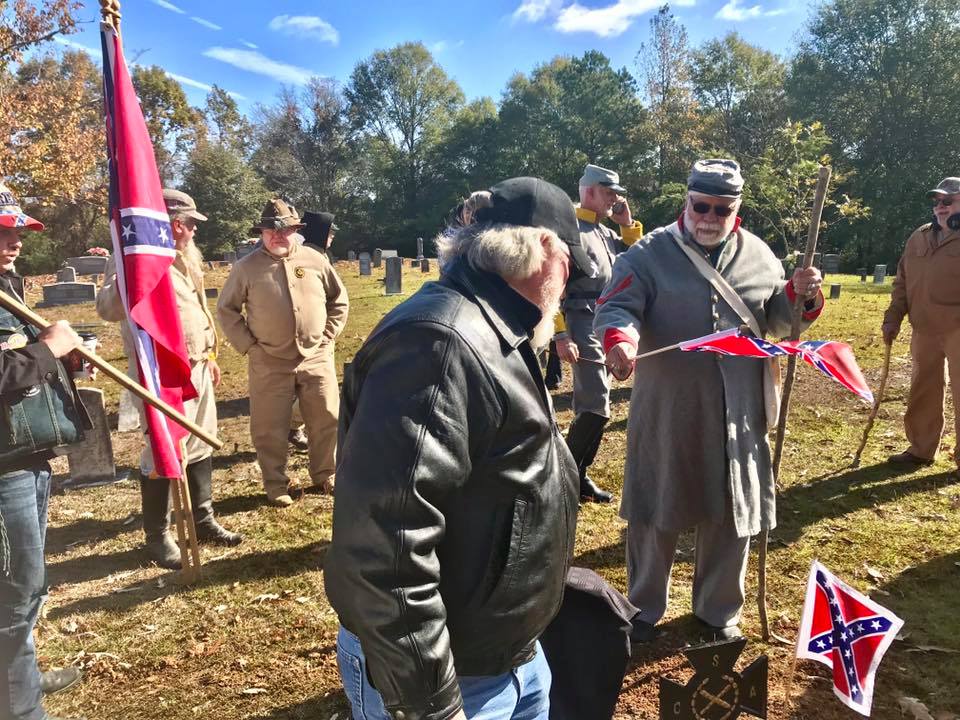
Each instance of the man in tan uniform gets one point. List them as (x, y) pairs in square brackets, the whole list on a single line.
[(283, 305), (927, 288), (200, 335)]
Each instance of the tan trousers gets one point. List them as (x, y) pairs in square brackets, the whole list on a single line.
[(924, 419), (274, 385), (202, 410)]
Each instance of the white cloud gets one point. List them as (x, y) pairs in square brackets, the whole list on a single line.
[(258, 63), (249, 44), (442, 46), (309, 26), (610, 21), (93, 52), (169, 6), (205, 23), (534, 10), (734, 11)]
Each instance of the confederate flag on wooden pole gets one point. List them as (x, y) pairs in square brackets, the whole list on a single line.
[(144, 250)]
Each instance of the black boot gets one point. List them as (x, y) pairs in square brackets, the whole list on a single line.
[(155, 499), (583, 439), (554, 372), (199, 477)]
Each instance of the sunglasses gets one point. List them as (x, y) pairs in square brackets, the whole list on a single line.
[(944, 202), (703, 208)]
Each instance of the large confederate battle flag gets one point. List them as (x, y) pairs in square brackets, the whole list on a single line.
[(846, 631), (144, 250)]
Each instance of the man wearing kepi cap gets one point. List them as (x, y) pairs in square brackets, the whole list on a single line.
[(456, 504), (32, 374), (697, 451), (601, 198), (283, 306), (200, 337), (927, 289)]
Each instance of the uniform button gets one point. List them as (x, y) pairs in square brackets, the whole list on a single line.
[(49, 376), (400, 715), (714, 298), (716, 317)]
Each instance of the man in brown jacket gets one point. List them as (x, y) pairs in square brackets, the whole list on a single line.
[(200, 336), (283, 305), (927, 288)]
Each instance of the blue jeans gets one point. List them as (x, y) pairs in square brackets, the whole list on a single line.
[(23, 513), (521, 694)]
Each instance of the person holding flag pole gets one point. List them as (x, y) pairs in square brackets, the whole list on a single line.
[(144, 251), (697, 449)]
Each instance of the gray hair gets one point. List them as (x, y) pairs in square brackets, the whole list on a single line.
[(513, 252)]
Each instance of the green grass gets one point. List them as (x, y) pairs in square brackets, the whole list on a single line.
[(256, 638)]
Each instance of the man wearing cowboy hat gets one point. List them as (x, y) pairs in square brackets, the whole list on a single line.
[(200, 337), (927, 289), (283, 306), (28, 358)]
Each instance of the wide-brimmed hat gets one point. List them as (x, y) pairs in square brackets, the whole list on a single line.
[(12, 215), (533, 202), (179, 203), (278, 214)]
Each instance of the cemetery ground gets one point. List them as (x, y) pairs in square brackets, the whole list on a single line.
[(256, 637)]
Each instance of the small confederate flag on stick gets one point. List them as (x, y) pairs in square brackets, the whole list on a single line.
[(833, 359), (846, 631)]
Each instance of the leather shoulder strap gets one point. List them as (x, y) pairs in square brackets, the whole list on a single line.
[(719, 283)]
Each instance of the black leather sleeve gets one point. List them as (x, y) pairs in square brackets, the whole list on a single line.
[(26, 367), (416, 402)]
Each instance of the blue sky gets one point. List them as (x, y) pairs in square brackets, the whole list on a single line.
[(253, 48)]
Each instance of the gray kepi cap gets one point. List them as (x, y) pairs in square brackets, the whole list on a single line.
[(596, 175), (716, 177), (947, 186)]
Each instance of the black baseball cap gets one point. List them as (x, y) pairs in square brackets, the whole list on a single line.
[(532, 202)]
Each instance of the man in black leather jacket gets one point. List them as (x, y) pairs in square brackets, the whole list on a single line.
[(456, 498)]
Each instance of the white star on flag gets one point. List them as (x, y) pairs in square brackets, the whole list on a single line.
[(128, 231)]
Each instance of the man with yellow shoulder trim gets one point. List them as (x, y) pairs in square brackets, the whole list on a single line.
[(283, 306), (601, 197), (200, 337)]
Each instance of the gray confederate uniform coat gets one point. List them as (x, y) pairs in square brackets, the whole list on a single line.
[(697, 446), (591, 383)]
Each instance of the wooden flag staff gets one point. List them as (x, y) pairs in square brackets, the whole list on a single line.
[(876, 406), (823, 179), (29, 316)]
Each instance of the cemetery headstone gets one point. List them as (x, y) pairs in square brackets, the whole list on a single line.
[(817, 260), (831, 264), (91, 461), (388, 254), (365, 264), (377, 257), (835, 291), (67, 274), (879, 274), (230, 257), (88, 264), (245, 249), (394, 277), (424, 264), (129, 413), (211, 292), (862, 272), (351, 255), (716, 691), (68, 293), (419, 248), (414, 263)]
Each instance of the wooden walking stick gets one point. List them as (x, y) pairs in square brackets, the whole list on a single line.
[(29, 316), (823, 179), (876, 405), (186, 528)]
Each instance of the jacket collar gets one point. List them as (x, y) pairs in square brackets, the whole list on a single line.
[(587, 215), (512, 316)]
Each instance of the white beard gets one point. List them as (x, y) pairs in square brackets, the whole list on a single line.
[(543, 332)]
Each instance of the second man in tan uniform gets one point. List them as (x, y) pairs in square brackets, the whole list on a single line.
[(283, 306)]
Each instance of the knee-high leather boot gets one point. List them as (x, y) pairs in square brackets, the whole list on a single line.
[(583, 439), (200, 480), (155, 501)]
